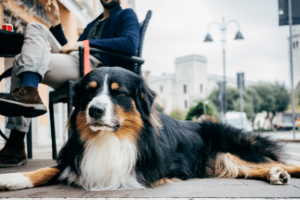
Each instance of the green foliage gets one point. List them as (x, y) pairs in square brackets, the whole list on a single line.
[(247, 108), (159, 108), (265, 91), (257, 98), (213, 97), (198, 110), (275, 97), (282, 98), (177, 114), (232, 95)]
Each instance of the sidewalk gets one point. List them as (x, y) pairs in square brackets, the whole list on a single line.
[(194, 188), (200, 188), (191, 189)]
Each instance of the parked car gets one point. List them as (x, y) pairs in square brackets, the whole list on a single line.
[(239, 120), (282, 122)]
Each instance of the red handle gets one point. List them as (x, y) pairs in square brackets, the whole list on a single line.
[(86, 58)]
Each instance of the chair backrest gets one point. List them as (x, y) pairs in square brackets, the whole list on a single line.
[(144, 25)]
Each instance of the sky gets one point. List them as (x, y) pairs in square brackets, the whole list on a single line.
[(178, 28)]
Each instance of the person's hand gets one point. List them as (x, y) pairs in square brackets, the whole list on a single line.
[(69, 47), (52, 11)]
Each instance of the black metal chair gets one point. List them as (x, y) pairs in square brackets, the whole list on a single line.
[(64, 94)]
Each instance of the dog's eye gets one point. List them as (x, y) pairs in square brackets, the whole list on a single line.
[(122, 94)]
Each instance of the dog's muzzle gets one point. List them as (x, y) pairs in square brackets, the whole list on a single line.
[(96, 111), (97, 118)]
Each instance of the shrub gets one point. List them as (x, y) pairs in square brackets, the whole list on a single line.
[(159, 108), (177, 114), (198, 110)]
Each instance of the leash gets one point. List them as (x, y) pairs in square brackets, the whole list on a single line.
[(87, 67)]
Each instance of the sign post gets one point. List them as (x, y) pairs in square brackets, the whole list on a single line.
[(221, 98), (289, 15), (291, 60), (241, 86)]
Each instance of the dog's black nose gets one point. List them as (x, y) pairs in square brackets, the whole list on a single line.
[(96, 111)]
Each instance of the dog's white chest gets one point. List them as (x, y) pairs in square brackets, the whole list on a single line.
[(108, 163)]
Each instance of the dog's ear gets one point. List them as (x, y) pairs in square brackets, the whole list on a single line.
[(77, 92), (144, 98)]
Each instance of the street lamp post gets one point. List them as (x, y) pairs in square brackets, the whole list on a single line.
[(208, 38)]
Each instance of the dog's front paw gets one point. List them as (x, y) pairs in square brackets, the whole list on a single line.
[(279, 177), (14, 181)]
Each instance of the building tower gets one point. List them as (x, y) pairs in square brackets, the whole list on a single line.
[(191, 81)]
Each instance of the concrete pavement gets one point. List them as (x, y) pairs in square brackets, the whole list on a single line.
[(195, 188)]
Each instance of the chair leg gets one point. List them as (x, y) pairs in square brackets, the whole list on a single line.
[(51, 112), (3, 135), (70, 104), (29, 142)]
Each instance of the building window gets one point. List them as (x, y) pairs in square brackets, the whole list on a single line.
[(161, 89), (201, 88), (185, 104), (184, 89), (296, 44)]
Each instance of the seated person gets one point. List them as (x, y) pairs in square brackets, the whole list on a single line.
[(47, 58)]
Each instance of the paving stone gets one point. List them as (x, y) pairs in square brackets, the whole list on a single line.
[(295, 182), (252, 182), (209, 182), (53, 191), (191, 191)]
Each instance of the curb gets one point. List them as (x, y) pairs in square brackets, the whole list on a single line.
[(281, 140)]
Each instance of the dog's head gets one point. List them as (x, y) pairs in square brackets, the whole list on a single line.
[(112, 99)]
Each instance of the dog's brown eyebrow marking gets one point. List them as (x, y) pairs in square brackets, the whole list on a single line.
[(93, 84), (115, 86)]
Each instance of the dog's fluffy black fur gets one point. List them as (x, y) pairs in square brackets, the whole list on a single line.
[(180, 150)]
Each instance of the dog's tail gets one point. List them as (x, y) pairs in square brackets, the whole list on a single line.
[(222, 138)]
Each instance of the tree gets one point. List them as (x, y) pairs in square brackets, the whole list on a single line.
[(247, 108), (282, 98), (233, 94), (265, 91), (213, 97), (257, 98), (275, 97), (197, 111)]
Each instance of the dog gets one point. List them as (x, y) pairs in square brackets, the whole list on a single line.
[(119, 141)]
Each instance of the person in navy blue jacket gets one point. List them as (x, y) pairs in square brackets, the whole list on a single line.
[(47, 57), (120, 34)]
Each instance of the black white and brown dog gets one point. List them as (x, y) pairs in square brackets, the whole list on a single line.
[(120, 141)]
